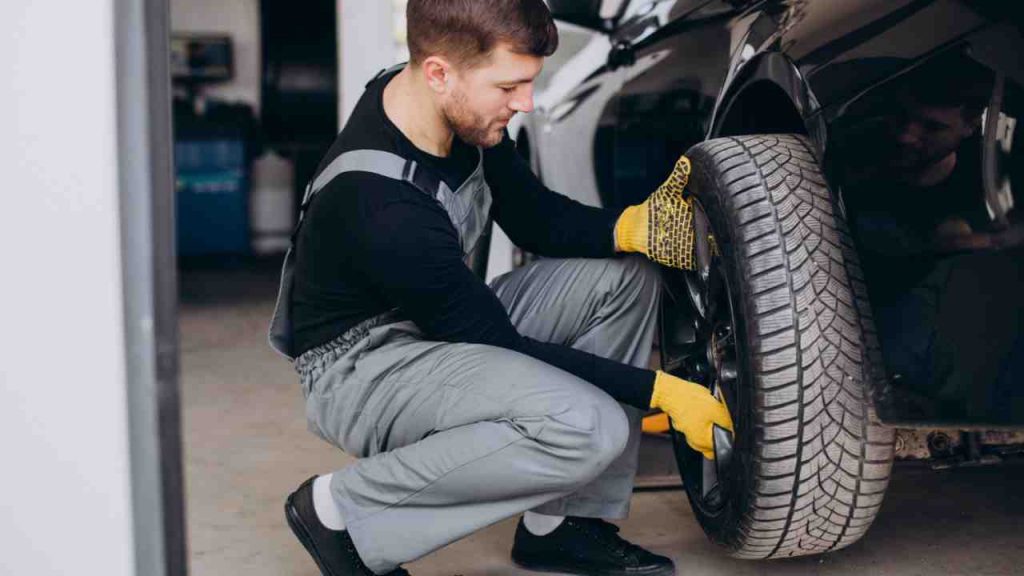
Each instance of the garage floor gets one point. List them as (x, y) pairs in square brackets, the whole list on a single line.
[(246, 448)]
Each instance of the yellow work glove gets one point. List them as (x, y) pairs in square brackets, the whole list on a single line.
[(662, 227), (692, 410)]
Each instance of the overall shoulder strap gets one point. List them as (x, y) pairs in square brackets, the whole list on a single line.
[(377, 162), (386, 164), (386, 71)]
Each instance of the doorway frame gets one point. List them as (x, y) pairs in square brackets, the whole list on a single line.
[(149, 282)]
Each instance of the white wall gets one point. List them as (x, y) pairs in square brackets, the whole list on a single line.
[(239, 19), (366, 44), (65, 503)]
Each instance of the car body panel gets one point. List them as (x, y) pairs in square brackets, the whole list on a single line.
[(574, 109), (672, 73)]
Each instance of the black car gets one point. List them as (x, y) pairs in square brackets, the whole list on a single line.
[(857, 184)]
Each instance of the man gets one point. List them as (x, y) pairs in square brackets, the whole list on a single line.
[(945, 285), (468, 404)]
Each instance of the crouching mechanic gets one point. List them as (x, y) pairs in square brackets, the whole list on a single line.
[(466, 403)]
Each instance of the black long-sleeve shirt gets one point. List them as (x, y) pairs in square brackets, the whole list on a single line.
[(370, 244)]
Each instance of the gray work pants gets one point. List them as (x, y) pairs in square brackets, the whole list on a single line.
[(454, 437)]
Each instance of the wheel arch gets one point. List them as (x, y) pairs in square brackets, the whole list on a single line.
[(768, 96)]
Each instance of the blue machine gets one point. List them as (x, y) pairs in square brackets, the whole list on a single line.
[(212, 151), (212, 181)]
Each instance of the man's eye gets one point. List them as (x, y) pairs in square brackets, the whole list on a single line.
[(507, 89)]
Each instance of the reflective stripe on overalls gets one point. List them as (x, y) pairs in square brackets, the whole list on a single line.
[(468, 208)]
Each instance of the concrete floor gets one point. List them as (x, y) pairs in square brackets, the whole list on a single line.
[(246, 448)]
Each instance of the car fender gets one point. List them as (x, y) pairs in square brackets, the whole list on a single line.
[(765, 73)]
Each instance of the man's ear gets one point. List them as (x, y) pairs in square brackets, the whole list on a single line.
[(437, 73)]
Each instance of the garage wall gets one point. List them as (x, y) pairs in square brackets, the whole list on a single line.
[(365, 45), (367, 42), (371, 37), (66, 505), (240, 19)]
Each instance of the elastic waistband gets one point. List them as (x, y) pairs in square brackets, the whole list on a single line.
[(312, 363)]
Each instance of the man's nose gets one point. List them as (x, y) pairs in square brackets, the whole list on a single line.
[(909, 133), (523, 102)]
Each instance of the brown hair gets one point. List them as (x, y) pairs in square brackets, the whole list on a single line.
[(952, 82), (466, 31)]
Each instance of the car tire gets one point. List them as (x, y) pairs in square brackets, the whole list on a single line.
[(793, 351)]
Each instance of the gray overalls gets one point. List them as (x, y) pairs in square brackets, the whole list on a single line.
[(453, 437)]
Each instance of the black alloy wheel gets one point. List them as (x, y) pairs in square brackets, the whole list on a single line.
[(711, 358)]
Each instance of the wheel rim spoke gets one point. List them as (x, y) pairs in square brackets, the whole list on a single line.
[(712, 359)]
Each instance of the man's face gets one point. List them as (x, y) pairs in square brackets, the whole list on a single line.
[(924, 135), (482, 100)]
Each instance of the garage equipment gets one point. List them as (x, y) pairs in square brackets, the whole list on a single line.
[(212, 149)]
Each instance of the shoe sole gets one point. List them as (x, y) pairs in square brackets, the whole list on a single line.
[(563, 569), (302, 533)]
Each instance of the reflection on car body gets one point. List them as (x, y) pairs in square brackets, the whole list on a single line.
[(943, 274)]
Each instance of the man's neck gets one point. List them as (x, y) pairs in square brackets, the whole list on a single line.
[(410, 106)]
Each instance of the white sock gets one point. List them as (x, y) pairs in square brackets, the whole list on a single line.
[(323, 502), (541, 524)]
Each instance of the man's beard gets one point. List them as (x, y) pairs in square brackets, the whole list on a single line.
[(470, 127)]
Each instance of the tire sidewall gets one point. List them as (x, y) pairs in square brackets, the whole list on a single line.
[(724, 526)]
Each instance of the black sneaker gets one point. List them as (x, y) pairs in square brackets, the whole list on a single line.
[(586, 546), (333, 550)]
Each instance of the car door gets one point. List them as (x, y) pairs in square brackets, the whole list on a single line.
[(677, 54), (572, 112)]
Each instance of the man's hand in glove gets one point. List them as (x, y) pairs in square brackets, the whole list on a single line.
[(692, 410), (662, 227)]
